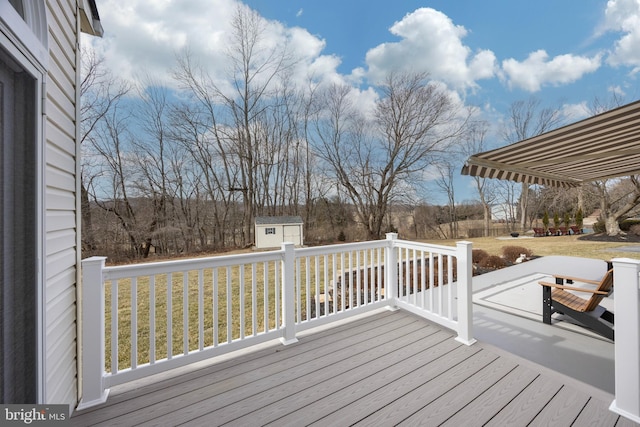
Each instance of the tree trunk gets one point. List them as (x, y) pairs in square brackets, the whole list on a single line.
[(88, 238), (612, 226), (487, 218), (524, 205)]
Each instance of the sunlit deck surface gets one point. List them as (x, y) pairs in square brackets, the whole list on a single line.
[(387, 368)]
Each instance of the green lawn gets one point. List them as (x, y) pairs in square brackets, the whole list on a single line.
[(552, 245)]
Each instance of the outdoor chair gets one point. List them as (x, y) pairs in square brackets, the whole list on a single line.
[(575, 229), (588, 312), (538, 232)]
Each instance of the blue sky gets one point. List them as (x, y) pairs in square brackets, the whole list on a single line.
[(488, 53), (509, 29)]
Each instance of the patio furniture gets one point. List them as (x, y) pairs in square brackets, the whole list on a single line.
[(538, 232), (556, 298), (575, 229)]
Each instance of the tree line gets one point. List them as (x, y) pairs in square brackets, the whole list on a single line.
[(188, 168)]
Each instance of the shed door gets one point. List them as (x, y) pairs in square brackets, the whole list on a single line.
[(291, 234), (18, 227)]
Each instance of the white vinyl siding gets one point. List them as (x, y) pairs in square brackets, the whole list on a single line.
[(60, 206)]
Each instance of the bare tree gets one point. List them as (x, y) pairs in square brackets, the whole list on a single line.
[(618, 199), (448, 166), (508, 191), (236, 113), (151, 148), (375, 162), (194, 127), (255, 70), (487, 188), (112, 191), (527, 119), (100, 91)]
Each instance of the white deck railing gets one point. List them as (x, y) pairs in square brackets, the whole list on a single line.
[(626, 285), (158, 316)]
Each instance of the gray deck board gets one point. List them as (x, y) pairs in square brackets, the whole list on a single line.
[(413, 394), (439, 410), (596, 413), (563, 409), (385, 369), (363, 381), (527, 404), (258, 393), (492, 400), (290, 396), (177, 393)]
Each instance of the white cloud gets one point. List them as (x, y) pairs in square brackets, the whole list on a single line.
[(575, 112), (430, 42), (624, 16), (538, 70), (144, 37), (617, 91)]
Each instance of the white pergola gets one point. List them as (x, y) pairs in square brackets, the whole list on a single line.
[(603, 146)]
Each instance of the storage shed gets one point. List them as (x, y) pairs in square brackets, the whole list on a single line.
[(271, 231)]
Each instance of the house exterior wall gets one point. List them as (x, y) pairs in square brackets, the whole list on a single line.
[(45, 43), (60, 206)]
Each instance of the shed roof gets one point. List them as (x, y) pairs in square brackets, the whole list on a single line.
[(603, 146), (274, 220)]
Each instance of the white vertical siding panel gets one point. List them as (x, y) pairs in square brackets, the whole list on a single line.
[(60, 202)]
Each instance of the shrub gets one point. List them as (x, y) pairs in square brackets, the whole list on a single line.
[(478, 255), (512, 253), (492, 261), (341, 236), (599, 227), (579, 218), (545, 220), (627, 224)]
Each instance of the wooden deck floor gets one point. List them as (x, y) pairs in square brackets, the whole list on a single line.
[(387, 369)]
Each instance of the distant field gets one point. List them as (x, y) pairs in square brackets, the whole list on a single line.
[(552, 245)]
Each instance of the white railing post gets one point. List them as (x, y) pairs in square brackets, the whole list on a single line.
[(627, 338), (464, 292), (391, 271), (92, 333), (288, 294)]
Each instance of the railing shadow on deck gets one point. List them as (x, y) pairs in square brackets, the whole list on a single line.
[(142, 319)]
